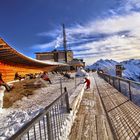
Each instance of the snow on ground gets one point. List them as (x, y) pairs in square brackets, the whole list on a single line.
[(75, 100), (24, 110)]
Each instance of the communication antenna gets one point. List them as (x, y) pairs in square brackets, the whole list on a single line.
[(64, 42)]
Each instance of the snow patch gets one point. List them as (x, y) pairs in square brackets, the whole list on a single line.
[(75, 101)]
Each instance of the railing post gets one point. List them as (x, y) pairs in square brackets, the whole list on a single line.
[(67, 100), (75, 81), (80, 79), (106, 79), (61, 86), (109, 79), (61, 90), (49, 127), (119, 85), (103, 76), (130, 93), (113, 81)]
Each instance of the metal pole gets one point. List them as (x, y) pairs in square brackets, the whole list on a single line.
[(80, 79), (75, 81), (64, 43), (109, 79), (113, 81), (49, 127), (67, 100), (61, 91), (119, 85), (61, 85), (106, 78), (130, 93)]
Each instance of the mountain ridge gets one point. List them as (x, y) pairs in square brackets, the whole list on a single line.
[(131, 72)]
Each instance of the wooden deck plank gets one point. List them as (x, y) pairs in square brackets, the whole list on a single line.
[(111, 114), (91, 122), (80, 129), (124, 115)]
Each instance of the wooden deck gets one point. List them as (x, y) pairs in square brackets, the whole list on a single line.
[(105, 114)]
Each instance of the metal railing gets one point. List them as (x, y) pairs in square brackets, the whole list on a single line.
[(64, 82), (47, 125), (78, 81), (129, 88)]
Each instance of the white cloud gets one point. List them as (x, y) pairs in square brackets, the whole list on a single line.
[(131, 4), (52, 33), (109, 25), (113, 45), (128, 46)]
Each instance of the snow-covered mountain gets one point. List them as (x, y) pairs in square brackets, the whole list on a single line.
[(132, 68), (106, 65)]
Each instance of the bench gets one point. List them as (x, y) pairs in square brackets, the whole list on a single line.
[(32, 85)]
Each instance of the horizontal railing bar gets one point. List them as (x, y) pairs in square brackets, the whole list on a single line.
[(122, 79), (23, 130)]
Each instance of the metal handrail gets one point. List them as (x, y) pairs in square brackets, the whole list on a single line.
[(116, 77), (122, 113), (45, 112), (119, 86)]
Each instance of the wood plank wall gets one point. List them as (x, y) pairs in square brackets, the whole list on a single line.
[(9, 71)]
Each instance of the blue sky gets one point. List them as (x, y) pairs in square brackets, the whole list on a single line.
[(107, 29)]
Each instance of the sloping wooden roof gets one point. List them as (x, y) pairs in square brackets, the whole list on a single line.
[(8, 55)]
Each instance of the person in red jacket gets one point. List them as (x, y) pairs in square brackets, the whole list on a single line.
[(87, 81), (2, 83), (45, 77)]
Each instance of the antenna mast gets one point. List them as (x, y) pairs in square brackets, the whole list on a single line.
[(65, 43)]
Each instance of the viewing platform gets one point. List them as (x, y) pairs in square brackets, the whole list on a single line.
[(98, 113), (105, 114)]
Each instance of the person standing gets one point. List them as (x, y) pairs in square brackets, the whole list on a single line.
[(45, 77), (2, 83), (87, 81), (17, 76)]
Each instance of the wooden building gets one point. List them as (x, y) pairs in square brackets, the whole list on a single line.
[(119, 70), (64, 55), (55, 55), (11, 61)]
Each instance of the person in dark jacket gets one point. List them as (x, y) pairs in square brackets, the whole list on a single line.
[(67, 75), (17, 76)]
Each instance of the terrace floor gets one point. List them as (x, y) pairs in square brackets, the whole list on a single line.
[(105, 114)]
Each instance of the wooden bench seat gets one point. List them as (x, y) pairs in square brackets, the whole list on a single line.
[(32, 85)]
